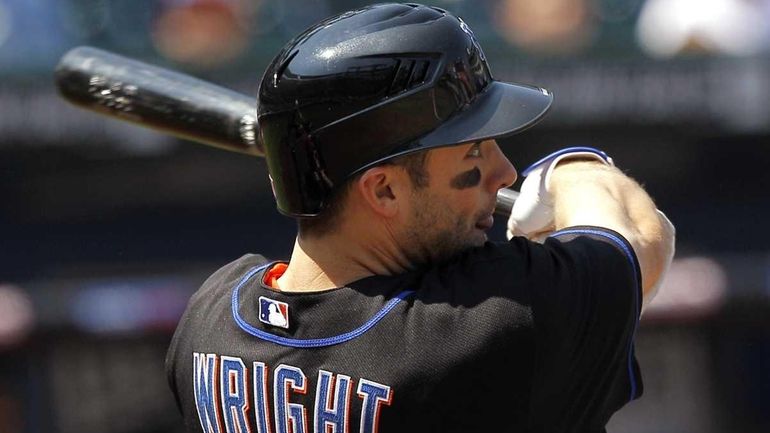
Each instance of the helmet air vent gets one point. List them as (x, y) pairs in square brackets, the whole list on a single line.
[(410, 73)]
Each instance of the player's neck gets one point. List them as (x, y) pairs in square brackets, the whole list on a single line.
[(339, 259)]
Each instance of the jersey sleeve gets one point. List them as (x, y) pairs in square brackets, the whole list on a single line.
[(585, 309)]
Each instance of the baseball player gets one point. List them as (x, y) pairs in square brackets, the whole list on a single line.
[(395, 313)]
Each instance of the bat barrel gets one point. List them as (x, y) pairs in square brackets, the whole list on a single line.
[(152, 96)]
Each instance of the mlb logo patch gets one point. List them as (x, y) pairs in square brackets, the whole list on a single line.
[(273, 312)]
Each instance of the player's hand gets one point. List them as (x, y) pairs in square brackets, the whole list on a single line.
[(532, 213)]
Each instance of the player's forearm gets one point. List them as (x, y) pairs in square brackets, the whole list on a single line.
[(588, 193)]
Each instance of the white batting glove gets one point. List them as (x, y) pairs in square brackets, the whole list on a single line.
[(532, 213)]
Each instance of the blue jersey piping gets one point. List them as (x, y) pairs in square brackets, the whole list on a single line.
[(630, 256), (314, 342), (561, 152)]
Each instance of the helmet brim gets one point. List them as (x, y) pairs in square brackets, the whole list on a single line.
[(503, 109)]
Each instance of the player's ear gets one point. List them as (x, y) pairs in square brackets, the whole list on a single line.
[(382, 189)]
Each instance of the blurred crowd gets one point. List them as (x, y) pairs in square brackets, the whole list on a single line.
[(217, 33)]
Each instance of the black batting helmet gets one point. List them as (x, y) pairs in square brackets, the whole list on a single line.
[(371, 84)]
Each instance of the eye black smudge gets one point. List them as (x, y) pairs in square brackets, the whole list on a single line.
[(466, 179)]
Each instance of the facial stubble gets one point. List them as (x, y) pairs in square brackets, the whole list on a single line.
[(437, 234)]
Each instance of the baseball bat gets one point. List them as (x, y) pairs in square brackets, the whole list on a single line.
[(171, 102)]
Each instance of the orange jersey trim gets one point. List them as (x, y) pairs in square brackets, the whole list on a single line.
[(273, 274)]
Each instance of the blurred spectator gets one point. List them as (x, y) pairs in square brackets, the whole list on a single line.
[(17, 317), (695, 287), (201, 32), (735, 27), (556, 26)]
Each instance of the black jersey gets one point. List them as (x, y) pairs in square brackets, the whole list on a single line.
[(508, 337)]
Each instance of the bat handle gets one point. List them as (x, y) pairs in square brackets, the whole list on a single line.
[(505, 199)]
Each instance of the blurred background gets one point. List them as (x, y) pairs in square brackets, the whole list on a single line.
[(106, 229)]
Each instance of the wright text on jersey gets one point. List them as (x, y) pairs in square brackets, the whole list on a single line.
[(228, 394)]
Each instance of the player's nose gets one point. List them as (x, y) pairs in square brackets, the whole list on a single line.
[(503, 172)]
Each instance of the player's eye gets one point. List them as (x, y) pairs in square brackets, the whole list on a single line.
[(475, 150)]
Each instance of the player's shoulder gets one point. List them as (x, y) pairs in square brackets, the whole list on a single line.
[(593, 237), (577, 241), (242, 265), (230, 274), (592, 249), (597, 249), (594, 260)]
